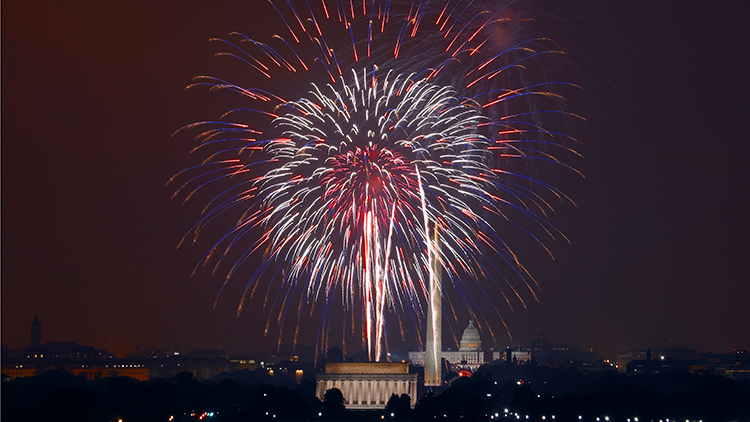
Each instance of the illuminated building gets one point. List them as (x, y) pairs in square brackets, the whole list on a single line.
[(469, 355), (367, 385)]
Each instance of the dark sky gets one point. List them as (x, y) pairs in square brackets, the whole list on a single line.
[(92, 92)]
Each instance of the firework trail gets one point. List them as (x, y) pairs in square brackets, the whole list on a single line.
[(387, 154)]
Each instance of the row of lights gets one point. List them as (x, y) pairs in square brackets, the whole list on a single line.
[(200, 416), (580, 417)]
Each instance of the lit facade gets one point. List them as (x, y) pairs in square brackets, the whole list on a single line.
[(468, 356), (367, 385)]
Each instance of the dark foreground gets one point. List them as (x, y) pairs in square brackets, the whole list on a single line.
[(493, 393)]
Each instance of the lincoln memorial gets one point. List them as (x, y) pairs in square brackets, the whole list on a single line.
[(368, 385)]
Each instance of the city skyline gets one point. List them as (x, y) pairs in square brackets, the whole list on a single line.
[(92, 95), (38, 341)]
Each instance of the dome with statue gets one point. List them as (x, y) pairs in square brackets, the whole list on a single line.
[(470, 339)]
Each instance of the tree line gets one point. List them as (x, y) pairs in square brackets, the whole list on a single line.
[(493, 392)]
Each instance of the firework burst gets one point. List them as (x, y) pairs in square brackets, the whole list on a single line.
[(382, 169)]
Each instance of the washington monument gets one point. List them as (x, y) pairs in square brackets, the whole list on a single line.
[(434, 347)]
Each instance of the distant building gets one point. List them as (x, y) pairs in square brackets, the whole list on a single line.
[(732, 365), (540, 347), (209, 354), (298, 352), (207, 363), (624, 358), (520, 355), (469, 356), (92, 363), (683, 353), (367, 385), (243, 361), (659, 366), (470, 340), (36, 333)]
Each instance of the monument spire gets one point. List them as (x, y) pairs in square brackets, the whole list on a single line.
[(434, 350), (36, 332)]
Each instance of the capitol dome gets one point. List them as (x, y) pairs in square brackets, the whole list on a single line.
[(470, 339)]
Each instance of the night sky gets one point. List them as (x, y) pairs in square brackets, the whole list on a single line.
[(659, 251)]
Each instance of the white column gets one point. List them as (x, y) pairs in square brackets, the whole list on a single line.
[(433, 352)]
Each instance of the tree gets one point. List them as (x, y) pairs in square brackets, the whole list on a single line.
[(333, 404), (399, 407)]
